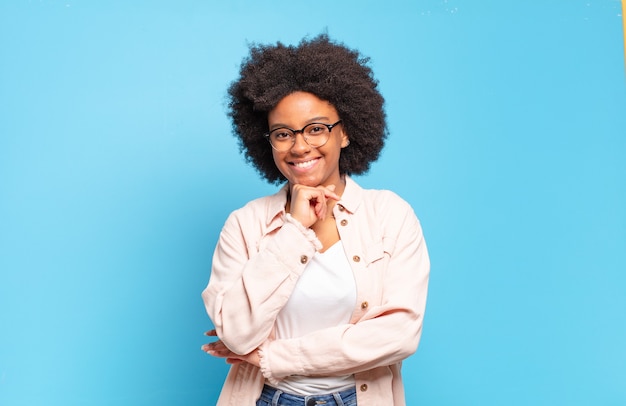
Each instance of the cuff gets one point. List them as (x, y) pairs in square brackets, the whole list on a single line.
[(308, 233), (265, 367)]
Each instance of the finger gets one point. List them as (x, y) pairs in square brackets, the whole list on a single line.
[(329, 192), (221, 354), (218, 353), (320, 207), (215, 354), (215, 346), (218, 346), (211, 333)]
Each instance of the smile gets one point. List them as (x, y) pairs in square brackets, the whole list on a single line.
[(305, 164)]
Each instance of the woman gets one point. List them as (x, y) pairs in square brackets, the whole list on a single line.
[(317, 293)]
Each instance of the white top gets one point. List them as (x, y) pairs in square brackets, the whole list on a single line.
[(324, 296)]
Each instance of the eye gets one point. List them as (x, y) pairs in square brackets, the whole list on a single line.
[(281, 134), (316, 129)]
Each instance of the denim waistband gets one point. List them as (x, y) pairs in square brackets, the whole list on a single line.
[(277, 397)]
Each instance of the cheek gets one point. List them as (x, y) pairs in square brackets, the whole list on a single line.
[(278, 161), (276, 157)]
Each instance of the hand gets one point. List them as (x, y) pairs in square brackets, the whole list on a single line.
[(309, 204), (218, 349)]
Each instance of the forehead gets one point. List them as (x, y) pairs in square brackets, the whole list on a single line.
[(300, 108)]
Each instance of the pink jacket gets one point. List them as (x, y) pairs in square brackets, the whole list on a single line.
[(260, 255)]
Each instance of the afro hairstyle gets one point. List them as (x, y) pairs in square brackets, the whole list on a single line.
[(320, 66)]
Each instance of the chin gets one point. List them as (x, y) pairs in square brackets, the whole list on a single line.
[(305, 181)]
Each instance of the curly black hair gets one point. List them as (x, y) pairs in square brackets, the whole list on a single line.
[(327, 69)]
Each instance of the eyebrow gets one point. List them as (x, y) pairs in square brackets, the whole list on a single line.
[(309, 121)]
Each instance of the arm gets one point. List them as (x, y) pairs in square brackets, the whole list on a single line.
[(247, 289), (385, 335)]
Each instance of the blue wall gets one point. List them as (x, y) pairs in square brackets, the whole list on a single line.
[(117, 170)]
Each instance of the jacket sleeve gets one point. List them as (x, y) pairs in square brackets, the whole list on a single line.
[(384, 335), (247, 288)]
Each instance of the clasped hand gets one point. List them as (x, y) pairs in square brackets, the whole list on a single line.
[(309, 204)]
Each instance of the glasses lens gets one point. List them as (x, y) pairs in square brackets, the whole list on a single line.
[(316, 134), (281, 139)]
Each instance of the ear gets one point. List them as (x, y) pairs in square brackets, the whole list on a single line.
[(345, 141)]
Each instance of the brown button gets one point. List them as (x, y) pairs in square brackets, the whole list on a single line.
[(341, 208), (344, 222), (304, 259), (363, 387), (364, 305), (356, 258)]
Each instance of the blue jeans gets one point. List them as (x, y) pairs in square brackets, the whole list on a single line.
[(275, 397)]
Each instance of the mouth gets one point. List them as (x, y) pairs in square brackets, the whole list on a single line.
[(304, 164)]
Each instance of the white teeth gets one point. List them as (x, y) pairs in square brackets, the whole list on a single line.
[(306, 164)]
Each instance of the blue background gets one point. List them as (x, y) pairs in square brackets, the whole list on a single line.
[(117, 171)]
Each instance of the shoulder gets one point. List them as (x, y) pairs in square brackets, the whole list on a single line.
[(254, 206), (372, 199), (375, 201), (260, 210), (386, 201), (388, 211), (384, 196)]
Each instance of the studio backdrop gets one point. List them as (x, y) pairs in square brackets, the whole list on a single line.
[(118, 168)]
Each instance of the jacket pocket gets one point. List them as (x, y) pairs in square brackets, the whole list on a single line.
[(374, 252)]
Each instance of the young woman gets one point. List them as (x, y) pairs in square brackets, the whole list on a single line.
[(317, 293)]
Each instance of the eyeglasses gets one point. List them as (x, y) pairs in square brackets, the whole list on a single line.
[(314, 134)]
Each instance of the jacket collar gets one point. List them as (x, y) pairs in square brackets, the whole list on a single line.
[(276, 206), (352, 195)]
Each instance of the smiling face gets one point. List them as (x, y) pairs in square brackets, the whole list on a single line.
[(303, 164)]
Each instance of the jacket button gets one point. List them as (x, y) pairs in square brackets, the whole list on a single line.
[(304, 259), (364, 305), (363, 387), (344, 222), (356, 258), (341, 208)]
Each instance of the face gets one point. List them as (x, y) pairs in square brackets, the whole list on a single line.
[(303, 164)]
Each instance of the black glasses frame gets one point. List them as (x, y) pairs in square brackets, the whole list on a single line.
[(301, 131)]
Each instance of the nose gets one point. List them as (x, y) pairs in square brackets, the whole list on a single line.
[(300, 146)]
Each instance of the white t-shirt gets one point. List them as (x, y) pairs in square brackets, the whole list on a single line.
[(324, 296)]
